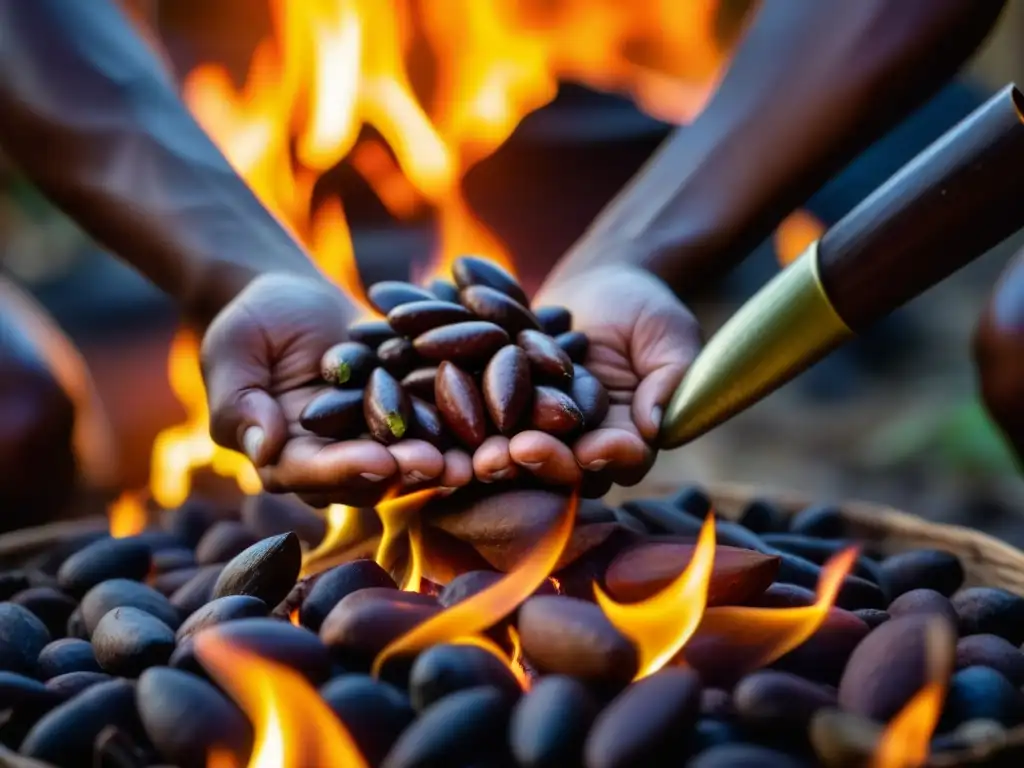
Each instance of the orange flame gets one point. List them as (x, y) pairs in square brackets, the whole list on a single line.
[(396, 513), (414, 571), (293, 617), (795, 234), (905, 742), (294, 727), (342, 530), (127, 515), (178, 452), (773, 632), (484, 609), (663, 623)]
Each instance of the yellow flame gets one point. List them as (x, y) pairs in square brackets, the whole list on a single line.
[(905, 742), (512, 662), (482, 610), (397, 514), (343, 528), (661, 625), (127, 515), (414, 571), (293, 726), (771, 633)]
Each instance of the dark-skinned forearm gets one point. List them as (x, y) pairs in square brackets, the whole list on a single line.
[(812, 84), (90, 116)]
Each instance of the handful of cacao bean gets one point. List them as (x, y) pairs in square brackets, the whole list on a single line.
[(454, 363)]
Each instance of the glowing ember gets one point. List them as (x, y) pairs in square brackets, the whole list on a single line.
[(770, 633), (293, 726), (904, 744), (662, 624), (484, 609), (127, 515), (796, 232), (178, 452)]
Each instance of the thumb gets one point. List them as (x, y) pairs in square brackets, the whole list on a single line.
[(665, 341), (244, 416)]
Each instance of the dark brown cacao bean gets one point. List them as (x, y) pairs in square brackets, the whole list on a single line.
[(470, 270), (267, 570), (575, 344), (420, 383), (427, 424), (337, 583), (128, 641), (22, 638), (104, 559), (348, 364), (469, 344), (990, 610), (372, 333), (499, 308), (116, 593), (374, 712), (419, 317), (554, 412), (68, 654), (221, 610), (444, 669), (223, 541), (548, 361), (590, 395), (554, 321), (507, 388), (460, 405), (388, 294), (386, 408), (336, 414), (398, 356)]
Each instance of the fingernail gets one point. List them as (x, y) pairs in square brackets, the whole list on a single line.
[(252, 441), (656, 416), (372, 477), (596, 466), (533, 466), (416, 477), (502, 474)]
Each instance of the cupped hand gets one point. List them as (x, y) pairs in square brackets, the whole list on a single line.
[(642, 340), (261, 363)]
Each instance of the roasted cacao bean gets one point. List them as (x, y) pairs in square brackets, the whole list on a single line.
[(419, 317), (420, 383), (70, 684), (348, 364), (590, 396), (167, 560), (548, 361), (338, 583), (761, 517), (991, 651), (444, 669), (22, 638), (470, 270), (575, 344), (388, 294), (499, 308), (336, 414), (386, 408), (460, 405), (223, 541), (267, 570), (554, 321), (372, 333), (68, 654), (554, 412), (197, 591), (923, 601), (128, 641), (822, 522), (981, 693), (468, 344), (117, 593), (221, 610), (444, 290), (922, 568), (551, 722), (357, 629), (780, 701), (374, 712), (51, 606), (398, 356), (427, 424), (990, 611), (101, 560), (507, 388)]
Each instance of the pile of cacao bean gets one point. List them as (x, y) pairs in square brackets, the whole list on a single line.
[(453, 363), (99, 667)]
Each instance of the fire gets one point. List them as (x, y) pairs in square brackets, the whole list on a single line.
[(396, 514), (796, 232), (414, 571), (180, 451), (127, 515), (663, 623), (294, 728), (293, 617), (904, 744), (342, 529), (770, 633), (484, 609)]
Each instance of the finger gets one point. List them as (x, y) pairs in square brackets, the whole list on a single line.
[(313, 465), (243, 414), (652, 396), (545, 456), (492, 460), (418, 461), (458, 469), (618, 450)]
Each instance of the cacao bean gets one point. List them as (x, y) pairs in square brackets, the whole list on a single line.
[(386, 408), (761, 517), (374, 712), (336, 414), (825, 655), (785, 596), (398, 356), (819, 551), (22, 638), (444, 669), (101, 560), (223, 541), (549, 724), (191, 520), (990, 611), (68, 654), (169, 583), (196, 592), (663, 517), (267, 570), (427, 424), (420, 383), (780, 701), (981, 693), (128, 641), (872, 616), (460, 405), (465, 728), (548, 361), (167, 560), (348, 364), (469, 270), (554, 320), (507, 389), (51, 606), (13, 582), (468, 344), (575, 344), (116, 593), (221, 610), (590, 396), (76, 625), (357, 629), (187, 719), (338, 583), (388, 294), (499, 308), (70, 684), (554, 412), (268, 514), (922, 568), (444, 290), (419, 317), (821, 522), (744, 756), (991, 651), (65, 735), (564, 635), (372, 333), (20, 691), (650, 720), (923, 601)]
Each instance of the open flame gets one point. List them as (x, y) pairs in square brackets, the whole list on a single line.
[(662, 624), (905, 742), (475, 614), (127, 515), (770, 633), (413, 94), (397, 514), (294, 728), (342, 529)]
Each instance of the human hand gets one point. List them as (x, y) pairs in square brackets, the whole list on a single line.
[(642, 339), (261, 362)]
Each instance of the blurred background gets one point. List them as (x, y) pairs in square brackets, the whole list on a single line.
[(536, 114)]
